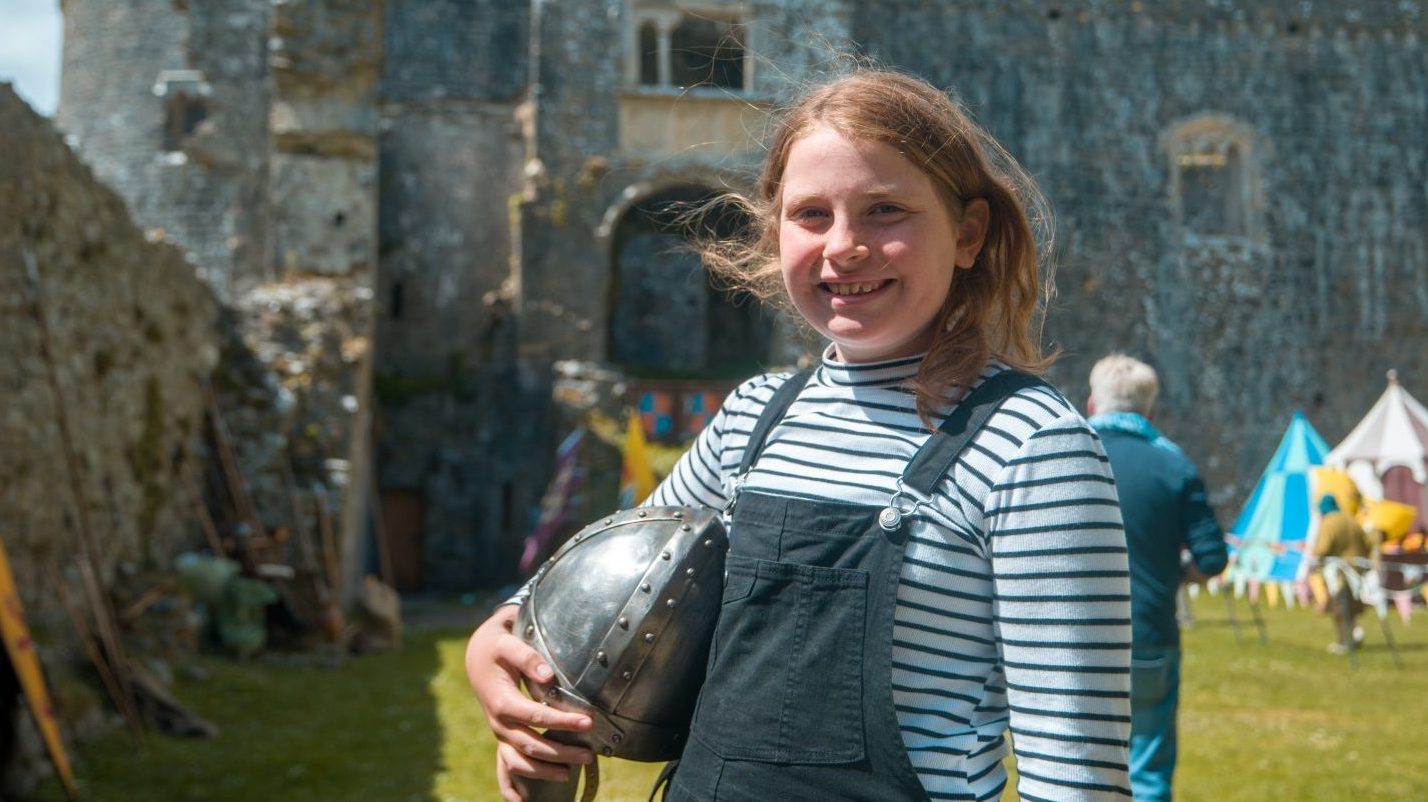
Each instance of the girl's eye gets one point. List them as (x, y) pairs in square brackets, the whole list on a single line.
[(886, 208), (807, 213)]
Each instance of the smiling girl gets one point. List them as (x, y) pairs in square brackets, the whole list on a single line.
[(926, 548)]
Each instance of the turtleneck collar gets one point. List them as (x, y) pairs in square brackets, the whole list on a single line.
[(891, 372)]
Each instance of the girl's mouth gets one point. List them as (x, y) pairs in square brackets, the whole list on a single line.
[(853, 288)]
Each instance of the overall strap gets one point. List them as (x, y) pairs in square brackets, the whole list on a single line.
[(937, 455), (773, 412)]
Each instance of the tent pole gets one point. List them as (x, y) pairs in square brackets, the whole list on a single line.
[(1259, 623)]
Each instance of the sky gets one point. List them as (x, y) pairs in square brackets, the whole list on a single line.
[(30, 34)]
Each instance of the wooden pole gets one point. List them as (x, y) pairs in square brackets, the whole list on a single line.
[(200, 511), (103, 614), (92, 650), (379, 529), (237, 487)]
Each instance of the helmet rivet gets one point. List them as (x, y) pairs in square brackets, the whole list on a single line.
[(609, 520), (649, 637), (664, 555), (530, 630), (645, 587), (708, 544), (669, 603), (642, 513), (602, 658), (685, 528), (689, 572), (624, 622), (627, 675), (606, 751), (616, 737)]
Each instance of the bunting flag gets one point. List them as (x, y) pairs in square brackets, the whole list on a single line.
[(1404, 603), (1271, 593), (637, 480), (557, 502), (27, 667)]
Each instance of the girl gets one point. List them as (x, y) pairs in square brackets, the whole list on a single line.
[(894, 604)]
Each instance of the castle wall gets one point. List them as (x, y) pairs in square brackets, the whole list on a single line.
[(131, 334), (463, 427), (207, 191), (1320, 294)]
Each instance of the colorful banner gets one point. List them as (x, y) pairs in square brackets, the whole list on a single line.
[(556, 504), (636, 476), (27, 667)]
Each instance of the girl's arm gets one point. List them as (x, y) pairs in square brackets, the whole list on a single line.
[(1062, 613)]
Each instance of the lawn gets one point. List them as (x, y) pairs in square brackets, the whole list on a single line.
[(1280, 720)]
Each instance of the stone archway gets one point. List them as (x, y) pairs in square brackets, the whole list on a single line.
[(665, 317)]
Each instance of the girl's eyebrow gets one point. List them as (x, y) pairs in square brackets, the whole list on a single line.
[(875, 193)]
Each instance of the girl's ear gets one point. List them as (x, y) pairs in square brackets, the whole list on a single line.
[(972, 231)]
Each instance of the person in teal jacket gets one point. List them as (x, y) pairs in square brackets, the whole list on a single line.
[(1162, 501)]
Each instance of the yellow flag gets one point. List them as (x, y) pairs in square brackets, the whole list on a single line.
[(27, 667), (637, 480), (1271, 592)]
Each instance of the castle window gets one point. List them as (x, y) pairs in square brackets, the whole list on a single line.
[(185, 95), (1212, 177), (683, 48), (649, 54)]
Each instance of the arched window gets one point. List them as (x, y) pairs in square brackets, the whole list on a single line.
[(680, 49), (1213, 181)]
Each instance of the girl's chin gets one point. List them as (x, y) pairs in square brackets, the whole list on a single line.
[(853, 350)]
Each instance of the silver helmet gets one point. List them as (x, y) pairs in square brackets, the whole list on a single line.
[(624, 613)]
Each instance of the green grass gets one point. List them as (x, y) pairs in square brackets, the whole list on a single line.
[(1282, 720)]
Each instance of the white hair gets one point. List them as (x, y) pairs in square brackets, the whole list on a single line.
[(1120, 383)]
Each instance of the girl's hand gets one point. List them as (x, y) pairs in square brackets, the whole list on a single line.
[(496, 664)]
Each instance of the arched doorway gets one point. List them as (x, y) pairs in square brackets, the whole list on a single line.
[(666, 319)]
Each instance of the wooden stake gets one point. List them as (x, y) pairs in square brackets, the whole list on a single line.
[(200, 511), (379, 528), (237, 488), (92, 650), (329, 545)]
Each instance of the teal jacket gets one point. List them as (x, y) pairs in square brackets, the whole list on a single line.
[(1163, 504)]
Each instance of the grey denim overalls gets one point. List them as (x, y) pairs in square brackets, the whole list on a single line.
[(798, 704)]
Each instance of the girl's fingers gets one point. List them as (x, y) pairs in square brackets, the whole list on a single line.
[(505, 783), (520, 765), (535, 747), (516, 710)]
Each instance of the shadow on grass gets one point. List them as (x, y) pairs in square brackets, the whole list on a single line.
[(289, 730)]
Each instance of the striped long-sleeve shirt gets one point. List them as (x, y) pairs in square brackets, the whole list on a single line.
[(1013, 609)]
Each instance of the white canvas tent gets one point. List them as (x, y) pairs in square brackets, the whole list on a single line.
[(1387, 452)]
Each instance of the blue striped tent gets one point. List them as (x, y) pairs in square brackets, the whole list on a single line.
[(1268, 540)]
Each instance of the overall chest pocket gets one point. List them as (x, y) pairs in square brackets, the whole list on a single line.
[(785, 672)]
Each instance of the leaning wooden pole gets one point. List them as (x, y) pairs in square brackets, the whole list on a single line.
[(104, 622)]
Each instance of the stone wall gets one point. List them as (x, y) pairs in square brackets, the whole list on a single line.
[(206, 188), (132, 333), (1324, 290)]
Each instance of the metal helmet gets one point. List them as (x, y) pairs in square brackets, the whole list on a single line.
[(624, 613)]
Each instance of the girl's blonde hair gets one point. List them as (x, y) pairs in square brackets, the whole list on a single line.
[(993, 310)]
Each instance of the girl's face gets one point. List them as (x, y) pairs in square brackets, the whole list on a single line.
[(867, 246)]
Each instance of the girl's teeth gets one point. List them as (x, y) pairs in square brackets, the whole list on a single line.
[(853, 289)]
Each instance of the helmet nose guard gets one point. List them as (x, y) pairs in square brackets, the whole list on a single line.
[(624, 613)]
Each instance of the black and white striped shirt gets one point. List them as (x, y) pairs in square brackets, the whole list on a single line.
[(1014, 606)]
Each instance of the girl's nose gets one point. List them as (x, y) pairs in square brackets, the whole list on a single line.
[(844, 244)]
